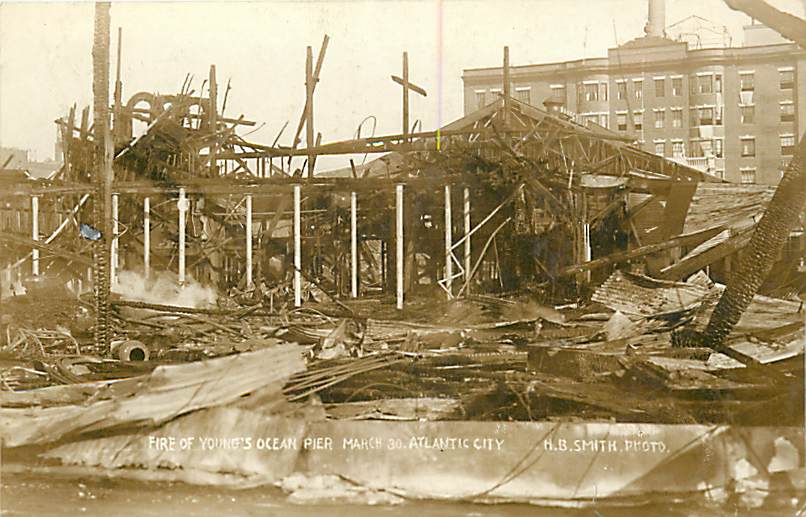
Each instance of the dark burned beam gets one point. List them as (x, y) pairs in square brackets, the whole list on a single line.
[(27, 243), (689, 265), (691, 239)]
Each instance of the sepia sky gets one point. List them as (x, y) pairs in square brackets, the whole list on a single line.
[(45, 54)]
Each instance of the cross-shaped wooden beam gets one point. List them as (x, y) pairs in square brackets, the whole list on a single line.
[(406, 87)]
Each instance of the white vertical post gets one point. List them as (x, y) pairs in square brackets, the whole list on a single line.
[(35, 234), (182, 223), (147, 236), (468, 256), (248, 241), (297, 248), (586, 239), (113, 259), (353, 245), (399, 243), (448, 243)]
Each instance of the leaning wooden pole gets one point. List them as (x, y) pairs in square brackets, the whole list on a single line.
[(766, 244), (103, 170)]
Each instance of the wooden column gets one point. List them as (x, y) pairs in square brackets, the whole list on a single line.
[(114, 262), (468, 256), (507, 86), (147, 237), (406, 96), (213, 118), (182, 205), (249, 281), (309, 86), (35, 234), (353, 245), (118, 126), (297, 248), (399, 244), (448, 243)]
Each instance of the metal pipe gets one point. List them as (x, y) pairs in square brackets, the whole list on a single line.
[(468, 228), (147, 237), (114, 262), (182, 205), (297, 248), (249, 241), (353, 245), (448, 243), (399, 243), (35, 234)]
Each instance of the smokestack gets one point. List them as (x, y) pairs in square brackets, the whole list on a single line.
[(656, 21)]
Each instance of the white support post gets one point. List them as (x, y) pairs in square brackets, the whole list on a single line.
[(35, 234), (353, 245), (147, 237), (183, 206), (113, 259), (468, 256), (297, 248), (399, 243), (249, 282), (587, 255), (448, 243)]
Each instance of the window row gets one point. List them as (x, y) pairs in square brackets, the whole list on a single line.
[(699, 148), (747, 145)]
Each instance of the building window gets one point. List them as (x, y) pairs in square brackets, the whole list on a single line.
[(621, 121), (660, 119), (638, 120), (677, 86), (638, 85), (678, 149), (604, 120), (589, 118), (524, 95), (747, 82), (748, 114), (660, 148), (660, 87), (695, 149), (718, 83), (590, 92), (707, 116), (480, 99), (748, 175), (786, 79), (718, 115), (719, 148), (705, 83), (621, 90), (603, 91), (748, 147), (787, 145), (558, 90), (677, 117), (787, 112)]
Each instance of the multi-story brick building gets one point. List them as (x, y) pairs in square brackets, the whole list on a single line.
[(734, 111)]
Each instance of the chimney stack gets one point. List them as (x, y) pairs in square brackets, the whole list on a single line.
[(656, 21)]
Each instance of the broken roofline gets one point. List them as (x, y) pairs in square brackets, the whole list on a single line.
[(398, 142)]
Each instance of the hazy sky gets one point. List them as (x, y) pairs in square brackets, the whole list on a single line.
[(45, 54)]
